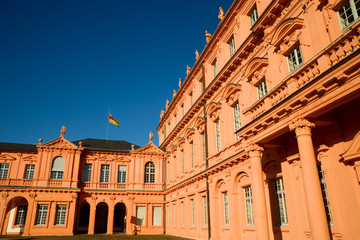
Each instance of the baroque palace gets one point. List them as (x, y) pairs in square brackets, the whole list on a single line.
[(261, 141)]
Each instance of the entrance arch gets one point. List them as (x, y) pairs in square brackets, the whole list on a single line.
[(16, 216), (101, 217), (120, 217), (83, 217)]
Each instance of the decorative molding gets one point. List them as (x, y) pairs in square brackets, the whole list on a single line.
[(301, 126)]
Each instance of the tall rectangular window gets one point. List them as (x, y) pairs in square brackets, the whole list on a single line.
[(280, 201), (192, 154), (202, 83), (237, 123), (261, 89), (232, 46), (140, 215), (249, 206), (324, 193), (29, 171), (349, 12), (164, 132), (215, 68), (182, 214), (87, 168), (104, 174), (218, 137), (253, 16), (122, 174), (203, 146), (192, 212), (226, 208), (295, 59), (60, 214), (41, 214), (182, 162), (21, 215), (174, 166), (205, 210), (156, 216), (4, 168)]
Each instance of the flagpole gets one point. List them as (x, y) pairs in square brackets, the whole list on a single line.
[(107, 129)]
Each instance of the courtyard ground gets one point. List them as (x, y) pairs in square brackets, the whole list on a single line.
[(97, 237)]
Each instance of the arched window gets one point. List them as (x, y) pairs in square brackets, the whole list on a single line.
[(57, 170), (150, 172)]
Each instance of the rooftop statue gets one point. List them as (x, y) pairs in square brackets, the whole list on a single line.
[(62, 131), (208, 36), (221, 13), (188, 70), (174, 93), (167, 103), (162, 113), (197, 55), (179, 82)]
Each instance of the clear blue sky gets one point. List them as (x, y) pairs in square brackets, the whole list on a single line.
[(67, 62)]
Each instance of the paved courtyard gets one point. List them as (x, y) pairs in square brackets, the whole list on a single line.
[(97, 237)]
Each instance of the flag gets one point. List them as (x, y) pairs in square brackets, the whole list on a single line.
[(113, 120)]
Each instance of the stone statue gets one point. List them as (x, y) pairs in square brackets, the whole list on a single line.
[(197, 55), (133, 147), (188, 70), (150, 137), (174, 93), (80, 144), (62, 131), (167, 103), (208, 36), (179, 82), (161, 114), (221, 14), (40, 141)]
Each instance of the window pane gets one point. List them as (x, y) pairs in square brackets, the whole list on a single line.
[(4, 168), (140, 215), (156, 216), (60, 215), (41, 214), (87, 172), (249, 206), (280, 201), (29, 172), (21, 215)]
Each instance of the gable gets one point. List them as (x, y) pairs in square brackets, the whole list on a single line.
[(60, 143), (150, 148), (6, 157)]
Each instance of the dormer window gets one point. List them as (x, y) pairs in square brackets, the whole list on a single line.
[(253, 16), (261, 88), (295, 59), (349, 12)]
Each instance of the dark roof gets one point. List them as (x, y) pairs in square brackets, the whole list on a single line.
[(17, 147), (100, 144)]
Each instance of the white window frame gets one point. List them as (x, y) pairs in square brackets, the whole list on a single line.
[(205, 210), (254, 16), (104, 173), (192, 154), (226, 208), (237, 122), (60, 218), (215, 68), (156, 216), (280, 201), (218, 135), (182, 161), (21, 215), (295, 58), (261, 89), (41, 214), (87, 171), (150, 172), (203, 146), (249, 206), (232, 46), (122, 169), (4, 169), (57, 169), (29, 171), (348, 7), (140, 215)]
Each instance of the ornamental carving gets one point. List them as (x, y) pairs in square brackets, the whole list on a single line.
[(254, 150), (199, 124), (231, 93), (214, 110), (301, 126)]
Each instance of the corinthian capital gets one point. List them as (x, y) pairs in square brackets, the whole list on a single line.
[(301, 126), (254, 150)]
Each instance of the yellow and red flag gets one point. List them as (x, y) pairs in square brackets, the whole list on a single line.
[(113, 120)]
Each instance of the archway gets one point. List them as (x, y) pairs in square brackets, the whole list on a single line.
[(83, 217), (120, 217), (101, 218), (16, 216)]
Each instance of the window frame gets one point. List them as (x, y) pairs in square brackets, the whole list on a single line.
[(249, 209), (150, 172), (237, 119), (41, 214), (21, 213), (29, 171), (105, 173), (232, 49), (293, 58), (218, 135), (61, 212), (226, 208), (253, 15), (344, 23), (4, 170), (122, 174), (280, 202), (86, 172), (261, 88)]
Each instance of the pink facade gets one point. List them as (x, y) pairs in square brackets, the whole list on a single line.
[(261, 140)]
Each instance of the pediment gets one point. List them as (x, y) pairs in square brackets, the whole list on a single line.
[(122, 159), (150, 148), (30, 158), (255, 67), (6, 157), (286, 28), (61, 143), (106, 157), (230, 92)]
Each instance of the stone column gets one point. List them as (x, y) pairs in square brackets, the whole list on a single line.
[(110, 224), (92, 216), (258, 192), (314, 199)]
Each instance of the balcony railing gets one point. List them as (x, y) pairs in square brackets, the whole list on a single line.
[(16, 182)]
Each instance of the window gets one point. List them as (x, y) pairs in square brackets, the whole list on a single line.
[(261, 89), (349, 12), (182, 214), (182, 162), (237, 124), (202, 83), (57, 170), (150, 172), (156, 216), (140, 215), (280, 201), (192, 212), (21, 215), (29, 172), (104, 174), (122, 174), (232, 46), (174, 166), (325, 194), (294, 59), (203, 144), (226, 208), (60, 214), (41, 214), (215, 68), (86, 177), (4, 168), (253, 16), (192, 154), (249, 206), (218, 137), (205, 210)]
